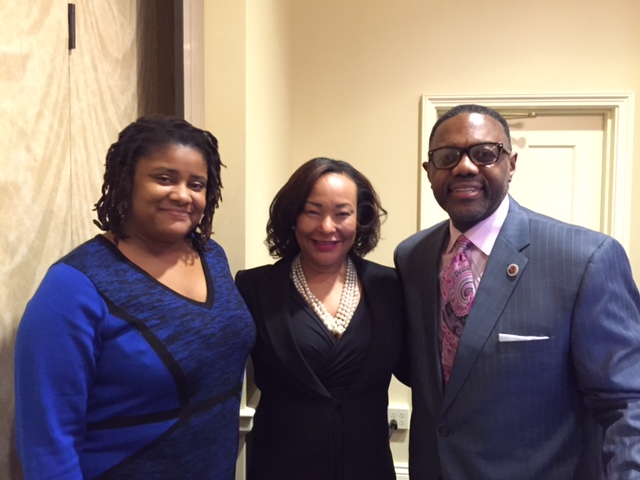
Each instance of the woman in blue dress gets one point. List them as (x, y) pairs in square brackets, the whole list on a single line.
[(131, 354)]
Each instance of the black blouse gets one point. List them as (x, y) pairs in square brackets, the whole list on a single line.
[(336, 363)]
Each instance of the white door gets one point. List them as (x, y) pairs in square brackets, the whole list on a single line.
[(560, 167)]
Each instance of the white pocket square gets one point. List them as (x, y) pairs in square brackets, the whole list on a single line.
[(508, 337)]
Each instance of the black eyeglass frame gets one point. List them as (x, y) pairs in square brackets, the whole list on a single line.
[(466, 150)]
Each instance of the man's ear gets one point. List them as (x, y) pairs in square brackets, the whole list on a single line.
[(512, 164), (427, 168)]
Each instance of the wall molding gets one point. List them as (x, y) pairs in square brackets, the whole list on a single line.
[(402, 471), (193, 61)]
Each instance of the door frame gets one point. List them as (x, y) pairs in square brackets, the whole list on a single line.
[(617, 110), (192, 73)]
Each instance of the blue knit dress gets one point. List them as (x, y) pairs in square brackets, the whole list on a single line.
[(118, 376)]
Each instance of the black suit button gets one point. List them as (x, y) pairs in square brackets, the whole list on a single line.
[(443, 431)]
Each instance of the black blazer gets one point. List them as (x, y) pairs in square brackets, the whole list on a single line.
[(300, 431)]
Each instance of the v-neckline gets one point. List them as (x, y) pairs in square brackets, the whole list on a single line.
[(205, 268)]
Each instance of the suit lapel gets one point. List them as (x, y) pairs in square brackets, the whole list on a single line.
[(275, 301), (492, 296)]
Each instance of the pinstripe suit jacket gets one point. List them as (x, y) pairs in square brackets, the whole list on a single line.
[(561, 408)]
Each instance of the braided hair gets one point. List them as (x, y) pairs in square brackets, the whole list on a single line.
[(142, 138)]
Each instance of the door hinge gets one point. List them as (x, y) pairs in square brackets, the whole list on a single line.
[(71, 11)]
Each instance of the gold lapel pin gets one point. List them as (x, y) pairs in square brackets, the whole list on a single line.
[(512, 270)]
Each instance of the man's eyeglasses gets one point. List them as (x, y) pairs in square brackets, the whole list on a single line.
[(481, 154)]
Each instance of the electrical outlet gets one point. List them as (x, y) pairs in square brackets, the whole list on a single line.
[(401, 414)]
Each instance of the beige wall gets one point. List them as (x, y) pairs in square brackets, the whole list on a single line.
[(355, 75), (359, 70), (248, 108)]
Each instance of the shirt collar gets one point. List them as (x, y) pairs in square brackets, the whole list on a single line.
[(484, 234)]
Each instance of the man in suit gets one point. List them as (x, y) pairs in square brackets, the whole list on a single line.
[(540, 377)]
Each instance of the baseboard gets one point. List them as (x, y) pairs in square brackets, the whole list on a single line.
[(402, 471)]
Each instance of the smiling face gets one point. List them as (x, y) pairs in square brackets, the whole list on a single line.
[(169, 194), (467, 192), (326, 228)]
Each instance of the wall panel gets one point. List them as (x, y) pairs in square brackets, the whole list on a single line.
[(103, 98), (34, 185), (60, 112)]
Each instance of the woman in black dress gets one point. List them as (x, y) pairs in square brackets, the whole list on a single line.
[(329, 332)]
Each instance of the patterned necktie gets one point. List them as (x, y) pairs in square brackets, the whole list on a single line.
[(458, 292)]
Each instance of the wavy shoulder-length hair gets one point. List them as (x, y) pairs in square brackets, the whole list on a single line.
[(289, 203)]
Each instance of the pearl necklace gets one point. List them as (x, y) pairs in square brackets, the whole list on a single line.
[(348, 300)]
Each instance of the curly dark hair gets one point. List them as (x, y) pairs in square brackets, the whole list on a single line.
[(289, 203), (472, 108), (144, 137)]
